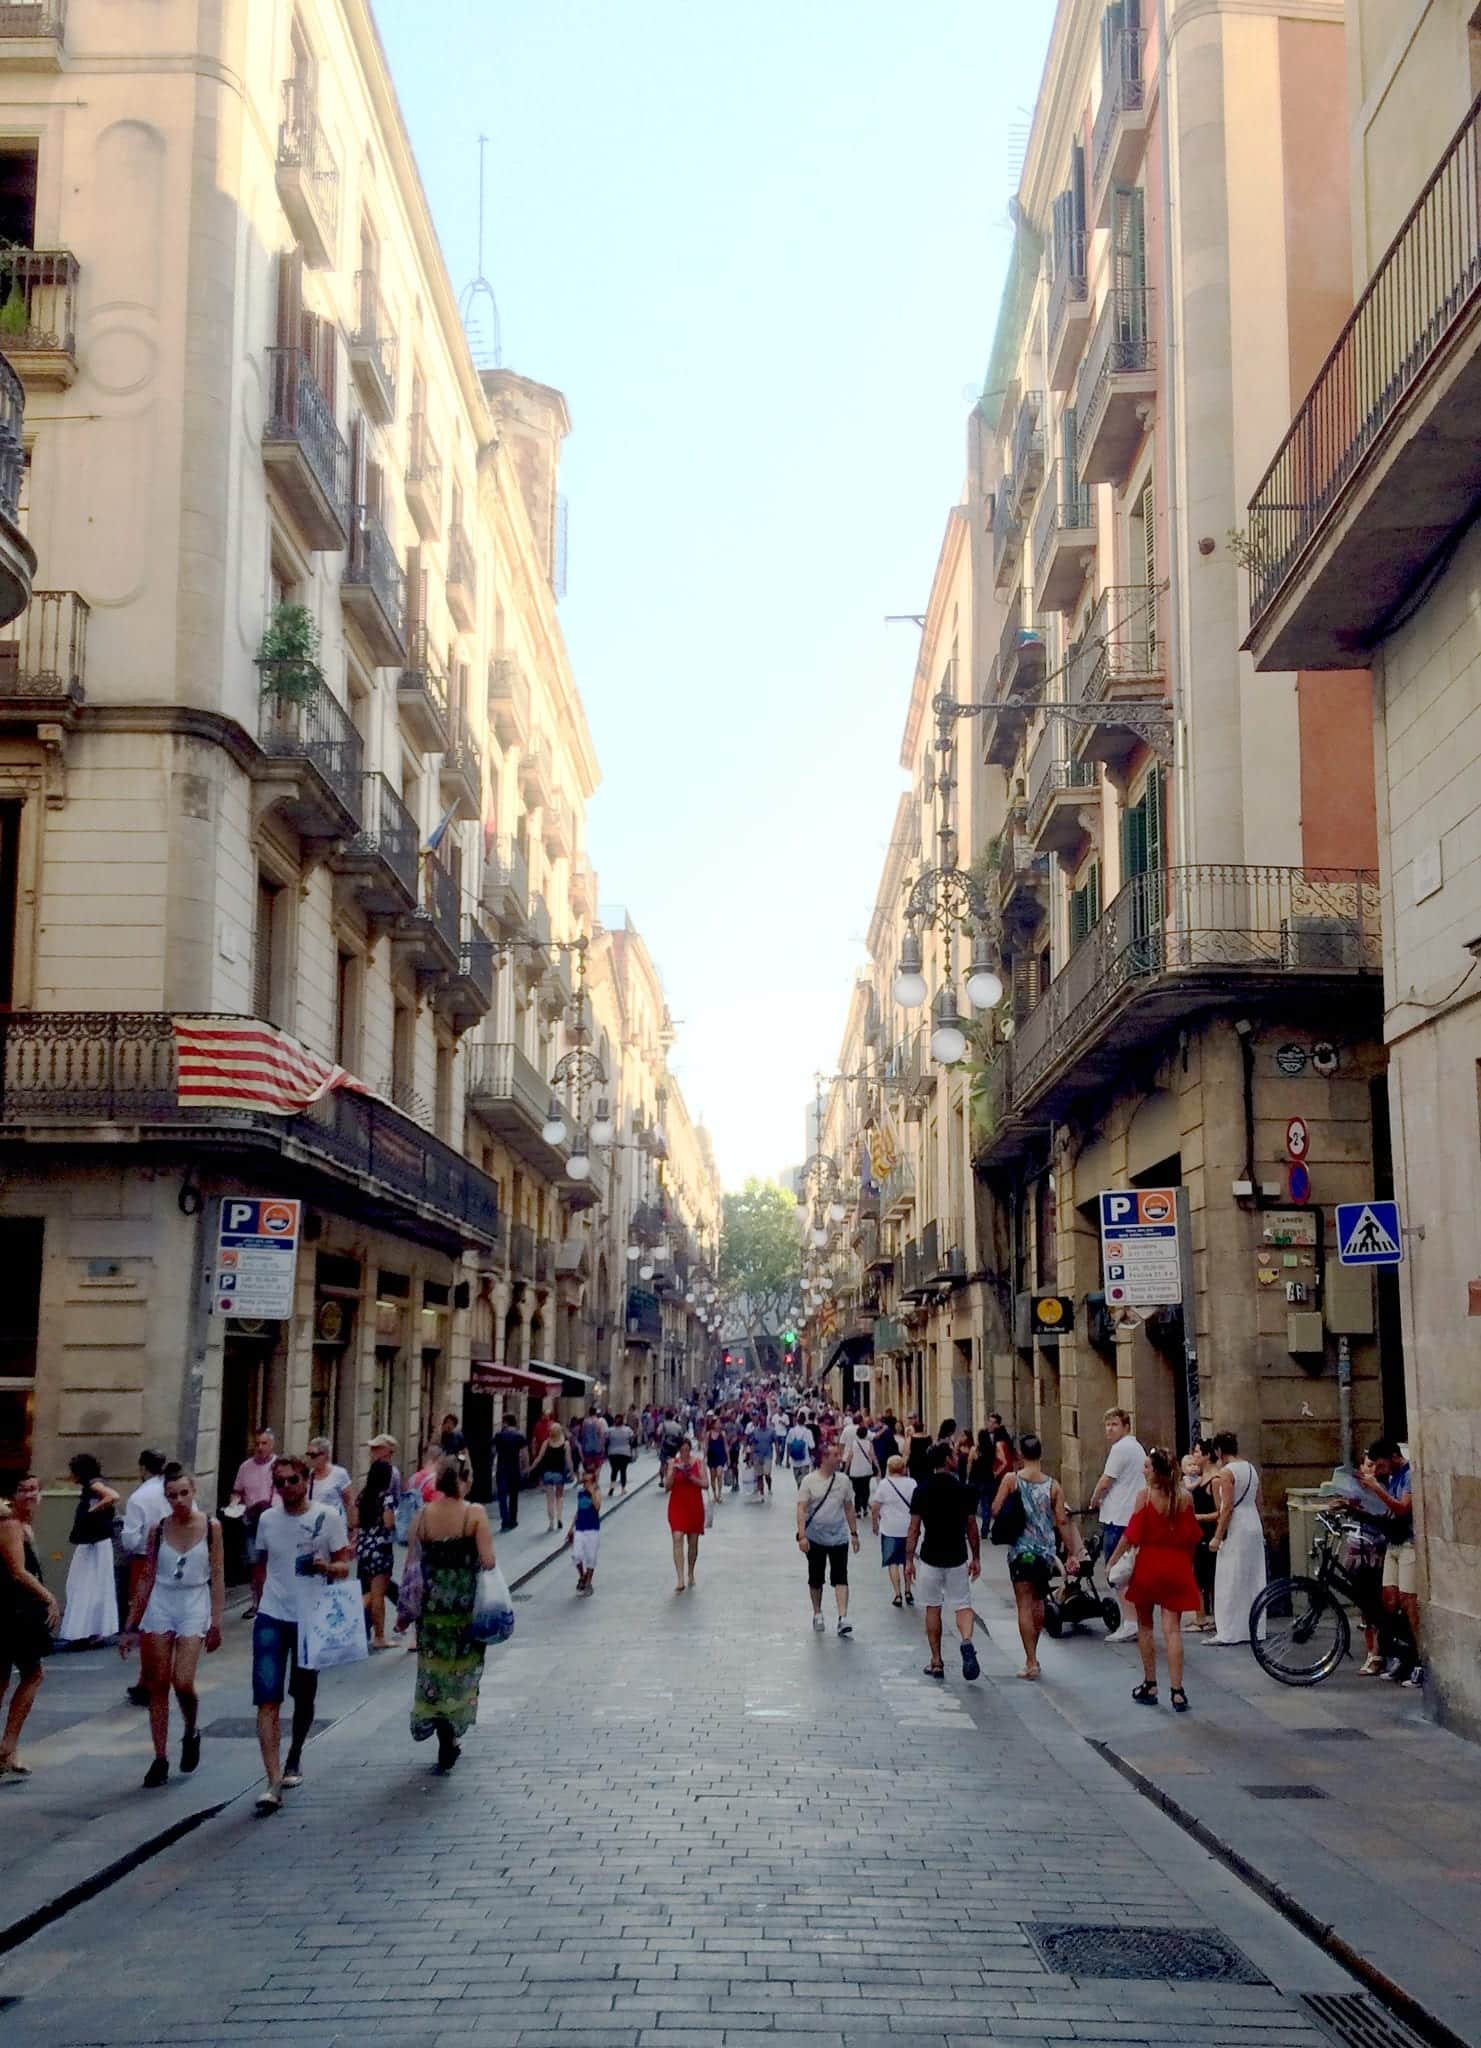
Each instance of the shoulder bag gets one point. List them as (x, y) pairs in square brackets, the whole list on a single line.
[(1011, 1519)]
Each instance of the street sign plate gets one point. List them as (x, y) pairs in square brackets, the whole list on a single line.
[(1139, 1247), (1369, 1234), (256, 1256)]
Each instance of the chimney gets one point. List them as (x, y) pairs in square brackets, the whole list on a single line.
[(532, 421)]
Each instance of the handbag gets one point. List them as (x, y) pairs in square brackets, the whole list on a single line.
[(1011, 1519), (407, 1504), (409, 1598), (331, 1624), (492, 1620)]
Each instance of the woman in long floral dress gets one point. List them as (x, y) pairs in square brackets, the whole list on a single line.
[(450, 1543)]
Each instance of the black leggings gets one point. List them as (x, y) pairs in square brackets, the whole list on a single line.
[(618, 1465)]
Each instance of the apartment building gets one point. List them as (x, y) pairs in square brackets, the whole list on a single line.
[(288, 747), (1363, 558)]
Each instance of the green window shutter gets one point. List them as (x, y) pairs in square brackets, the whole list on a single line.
[(1129, 238), (1134, 840), (1152, 803), (1092, 897), (1079, 917)]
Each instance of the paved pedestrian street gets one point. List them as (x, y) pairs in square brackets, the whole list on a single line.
[(682, 1820)]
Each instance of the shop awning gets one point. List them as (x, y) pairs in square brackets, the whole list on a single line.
[(857, 1345), (486, 1376), (568, 1381)]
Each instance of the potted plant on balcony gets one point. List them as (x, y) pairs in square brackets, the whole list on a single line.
[(288, 658)]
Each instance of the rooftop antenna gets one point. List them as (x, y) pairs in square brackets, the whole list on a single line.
[(487, 350)]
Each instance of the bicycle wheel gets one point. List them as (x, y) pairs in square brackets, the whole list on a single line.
[(1306, 1631)]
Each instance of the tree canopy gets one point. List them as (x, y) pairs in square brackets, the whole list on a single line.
[(761, 1257)]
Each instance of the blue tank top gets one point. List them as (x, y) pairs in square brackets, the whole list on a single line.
[(1038, 1538), (586, 1511)]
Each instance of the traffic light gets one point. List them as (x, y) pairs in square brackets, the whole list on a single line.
[(789, 1337)]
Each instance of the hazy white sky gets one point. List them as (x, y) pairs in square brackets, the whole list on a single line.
[(759, 248)]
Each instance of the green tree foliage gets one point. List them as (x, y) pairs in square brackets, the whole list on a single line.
[(761, 1257)]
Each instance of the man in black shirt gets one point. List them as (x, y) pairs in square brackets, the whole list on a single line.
[(509, 1469), (943, 1528)]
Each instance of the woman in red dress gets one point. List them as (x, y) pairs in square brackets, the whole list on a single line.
[(684, 1483), (1164, 1533)]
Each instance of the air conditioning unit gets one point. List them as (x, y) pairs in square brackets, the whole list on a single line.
[(1321, 944)]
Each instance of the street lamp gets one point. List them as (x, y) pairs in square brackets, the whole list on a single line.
[(909, 985), (948, 1040), (553, 1131), (603, 1129), (984, 984), (578, 1161)]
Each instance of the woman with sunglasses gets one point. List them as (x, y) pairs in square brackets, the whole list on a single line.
[(178, 1607)]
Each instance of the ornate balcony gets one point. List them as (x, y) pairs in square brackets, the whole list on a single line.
[(1028, 449), (373, 351), (897, 1191), (305, 452), (509, 701), (1023, 875), (33, 34), (460, 774), (1059, 793), (1118, 660), (535, 770), (38, 314), (1069, 313), (373, 591), (421, 695), (462, 578), (433, 935), (468, 993), (423, 478), (308, 176), (1064, 540), (71, 1077), (555, 826), (43, 661), (310, 771), (1117, 388), (1177, 942), (17, 556), (1120, 133), (510, 1095), (1007, 537), (506, 885), (381, 859)]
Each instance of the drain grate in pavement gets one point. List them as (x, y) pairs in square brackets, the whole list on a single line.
[(1284, 1791), (1190, 1955), (1358, 2021), (1334, 1734), (240, 1726)]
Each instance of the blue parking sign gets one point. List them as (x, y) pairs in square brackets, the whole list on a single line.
[(1369, 1234)]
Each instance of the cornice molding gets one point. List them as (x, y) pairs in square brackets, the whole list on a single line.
[(178, 721)]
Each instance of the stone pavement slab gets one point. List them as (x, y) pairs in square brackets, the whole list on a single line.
[(682, 1819)]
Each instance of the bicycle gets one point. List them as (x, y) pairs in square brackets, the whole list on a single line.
[(1307, 1630)]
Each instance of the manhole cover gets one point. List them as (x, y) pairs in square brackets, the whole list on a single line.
[(237, 1727), (1284, 1791), (1334, 1734), (1191, 1955), (1358, 2021)]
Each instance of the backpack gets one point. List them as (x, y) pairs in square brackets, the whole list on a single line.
[(797, 1446)]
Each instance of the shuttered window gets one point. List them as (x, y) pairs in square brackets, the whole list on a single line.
[(1085, 906), (265, 950)]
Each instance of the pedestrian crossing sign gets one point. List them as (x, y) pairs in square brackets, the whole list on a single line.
[(1369, 1234)]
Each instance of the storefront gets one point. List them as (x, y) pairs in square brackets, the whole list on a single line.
[(495, 1391)]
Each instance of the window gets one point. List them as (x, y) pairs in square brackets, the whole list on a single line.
[(1085, 905), (1142, 844), (20, 1323), (316, 339), (18, 195), (269, 949), (347, 981), (442, 1104), (1129, 239), (403, 1055), (10, 896)]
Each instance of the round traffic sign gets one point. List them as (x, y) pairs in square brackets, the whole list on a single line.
[(1298, 1182), (1298, 1138), (1156, 1207)]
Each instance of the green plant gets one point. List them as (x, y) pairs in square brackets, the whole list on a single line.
[(15, 316), (1248, 549), (288, 658)]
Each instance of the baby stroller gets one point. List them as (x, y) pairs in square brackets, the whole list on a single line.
[(1073, 1595)]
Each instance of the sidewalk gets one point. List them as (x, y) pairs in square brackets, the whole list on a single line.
[(1341, 1803), (83, 1818)]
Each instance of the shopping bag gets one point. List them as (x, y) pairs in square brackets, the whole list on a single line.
[(493, 1610), (1120, 1572), (710, 1512), (406, 1513), (409, 1599), (331, 1624)]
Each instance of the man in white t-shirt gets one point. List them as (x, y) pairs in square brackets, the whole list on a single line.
[(1116, 1493), (799, 1447), (299, 1539)]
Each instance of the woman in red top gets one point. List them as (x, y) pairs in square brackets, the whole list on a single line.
[(1164, 1533), (684, 1483)]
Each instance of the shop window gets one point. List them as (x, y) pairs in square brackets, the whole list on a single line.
[(20, 1323)]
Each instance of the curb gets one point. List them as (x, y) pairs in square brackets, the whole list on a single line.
[(45, 1915), (1402, 2003)]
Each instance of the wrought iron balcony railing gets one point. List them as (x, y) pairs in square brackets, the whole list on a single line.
[(372, 563), (387, 828), (1063, 507), (303, 147), (43, 653), (1027, 465), (462, 572), (373, 346), (1007, 529), (507, 870), (423, 677), (1119, 643), (440, 901), (298, 412), (69, 1067), (33, 20), (1427, 283), (476, 960), (38, 301), (1217, 919), (1121, 93), (12, 442), (310, 724), (1069, 285), (1122, 344), (1050, 770)]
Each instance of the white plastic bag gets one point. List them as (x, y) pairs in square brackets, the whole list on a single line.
[(710, 1511), (1120, 1573), (493, 1610), (331, 1624)]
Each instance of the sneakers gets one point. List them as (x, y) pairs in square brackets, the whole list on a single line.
[(818, 1624), (158, 1774), (1393, 1669), (1415, 1681), (845, 1627), (970, 1665), (268, 1802), (1371, 1666), (190, 1751)]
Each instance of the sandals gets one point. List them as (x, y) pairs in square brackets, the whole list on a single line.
[(1145, 1694), (934, 1670), (1179, 1700)]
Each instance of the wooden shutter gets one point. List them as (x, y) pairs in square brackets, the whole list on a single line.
[(1111, 23), (375, 489), (1152, 803), (1129, 238), (358, 458), (1079, 917), (1077, 190), (290, 298), (416, 589)]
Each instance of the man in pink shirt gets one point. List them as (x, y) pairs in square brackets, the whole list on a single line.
[(253, 1487)]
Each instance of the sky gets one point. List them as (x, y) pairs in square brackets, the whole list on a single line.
[(760, 248)]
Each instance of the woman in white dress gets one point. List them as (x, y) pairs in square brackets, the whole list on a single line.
[(1238, 1542), (176, 1609), (90, 1603)]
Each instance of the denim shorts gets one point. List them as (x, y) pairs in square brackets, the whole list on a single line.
[(891, 1550), (274, 1656)]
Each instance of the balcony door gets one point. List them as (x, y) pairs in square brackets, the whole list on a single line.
[(1143, 875), (1129, 269)]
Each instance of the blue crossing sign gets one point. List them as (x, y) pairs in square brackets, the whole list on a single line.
[(1369, 1234)]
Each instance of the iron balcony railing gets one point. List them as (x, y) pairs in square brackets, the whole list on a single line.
[(1120, 641), (912, 1271), (539, 917), (440, 901), (375, 332), (1209, 919), (1014, 642), (464, 756), (930, 1250), (508, 867), (1121, 92), (373, 562), (43, 653), (12, 443), (1063, 507), (1028, 445), (41, 285), (992, 1101), (60, 1067), (423, 462), (299, 412), (502, 1073), (33, 20), (1051, 770), (1121, 345), (423, 673), (303, 146), (313, 727), (1069, 285), (644, 1316), (461, 568), (521, 1249), (476, 960), (387, 828), (1007, 527), (1426, 284)]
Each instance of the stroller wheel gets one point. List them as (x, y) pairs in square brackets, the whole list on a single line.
[(1053, 1619), (1110, 1614)]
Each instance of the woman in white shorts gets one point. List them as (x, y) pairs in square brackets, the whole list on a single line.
[(177, 1608)]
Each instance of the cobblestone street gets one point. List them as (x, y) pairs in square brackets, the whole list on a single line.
[(682, 1820)]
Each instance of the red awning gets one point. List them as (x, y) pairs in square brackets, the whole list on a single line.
[(485, 1376)]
